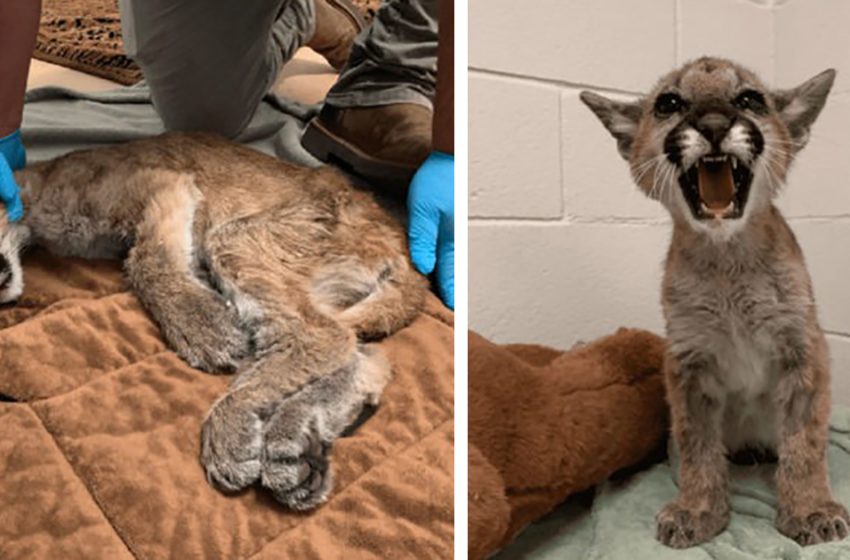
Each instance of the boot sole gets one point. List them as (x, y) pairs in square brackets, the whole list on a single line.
[(330, 148)]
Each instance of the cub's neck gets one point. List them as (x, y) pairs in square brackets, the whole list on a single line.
[(764, 237)]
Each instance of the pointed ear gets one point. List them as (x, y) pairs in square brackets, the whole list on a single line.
[(619, 117), (799, 107)]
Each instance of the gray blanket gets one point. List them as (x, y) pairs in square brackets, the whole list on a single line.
[(58, 120), (619, 522)]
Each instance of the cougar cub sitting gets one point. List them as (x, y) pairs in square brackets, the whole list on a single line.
[(246, 263), (747, 363)]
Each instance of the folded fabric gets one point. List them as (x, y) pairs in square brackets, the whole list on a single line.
[(58, 120)]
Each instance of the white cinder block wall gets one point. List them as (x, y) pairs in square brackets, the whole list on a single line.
[(562, 246)]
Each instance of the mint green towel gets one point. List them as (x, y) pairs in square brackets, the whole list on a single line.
[(619, 522)]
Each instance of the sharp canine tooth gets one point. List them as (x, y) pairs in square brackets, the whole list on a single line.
[(734, 162)]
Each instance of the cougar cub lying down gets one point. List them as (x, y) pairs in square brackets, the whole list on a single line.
[(246, 263), (747, 363)]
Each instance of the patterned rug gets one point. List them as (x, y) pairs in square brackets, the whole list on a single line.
[(85, 35)]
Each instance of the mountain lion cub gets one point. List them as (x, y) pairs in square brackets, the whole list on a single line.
[(246, 263), (747, 363)]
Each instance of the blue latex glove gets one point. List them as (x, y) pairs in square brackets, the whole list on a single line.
[(14, 158), (431, 229)]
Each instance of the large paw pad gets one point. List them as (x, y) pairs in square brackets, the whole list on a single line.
[(829, 522)]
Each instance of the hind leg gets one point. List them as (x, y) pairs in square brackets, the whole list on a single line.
[(257, 433), (301, 430), (296, 348), (195, 320)]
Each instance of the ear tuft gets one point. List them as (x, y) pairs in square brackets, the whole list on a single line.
[(799, 107), (619, 117)]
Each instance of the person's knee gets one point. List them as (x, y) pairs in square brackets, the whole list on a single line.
[(193, 120), (192, 93), (189, 110), (203, 73)]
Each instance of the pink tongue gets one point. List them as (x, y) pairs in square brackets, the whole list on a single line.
[(716, 186)]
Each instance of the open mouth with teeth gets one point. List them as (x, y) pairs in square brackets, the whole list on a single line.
[(716, 187)]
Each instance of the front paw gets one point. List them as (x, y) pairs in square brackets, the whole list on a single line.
[(682, 527), (825, 523)]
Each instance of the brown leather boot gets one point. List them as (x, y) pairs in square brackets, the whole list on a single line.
[(384, 144), (337, 24)]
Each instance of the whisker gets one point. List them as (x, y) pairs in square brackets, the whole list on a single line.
[(638, 178), (773, 179), (645, 167), (821, 137), (640, 170), (654, 182), (648, 162), (669, 181)]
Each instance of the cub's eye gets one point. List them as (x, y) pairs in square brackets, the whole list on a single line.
[(750, 100), (668, 104)]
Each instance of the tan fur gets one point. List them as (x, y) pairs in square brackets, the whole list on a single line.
[(246, 263), (747, 364)]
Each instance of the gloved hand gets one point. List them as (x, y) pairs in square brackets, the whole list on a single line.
[(13, 158), (431, 228)]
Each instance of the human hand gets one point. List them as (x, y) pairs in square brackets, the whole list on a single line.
[(12, 157), (431, 227)]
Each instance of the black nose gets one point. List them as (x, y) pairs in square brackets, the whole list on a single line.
[(714, 126)]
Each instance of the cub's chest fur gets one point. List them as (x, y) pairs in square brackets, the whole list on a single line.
[(746, 373), (732, 320)]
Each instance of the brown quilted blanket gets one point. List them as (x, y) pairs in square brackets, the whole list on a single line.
[(99, 426)]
